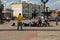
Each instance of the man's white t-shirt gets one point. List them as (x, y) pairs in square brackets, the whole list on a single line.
[(42, 17)]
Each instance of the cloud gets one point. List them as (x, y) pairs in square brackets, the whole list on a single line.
[(4, 1), (7, 4), (29, 1), (33, 2), (54, 3), (25, 0)]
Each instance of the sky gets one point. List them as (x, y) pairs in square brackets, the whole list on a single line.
[(52, 4)]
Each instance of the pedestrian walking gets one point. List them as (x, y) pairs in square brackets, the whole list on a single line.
[(13, 19), (19, 18), (7, 19), (57, 20), (42, 20), (39, 22), (42, 17)]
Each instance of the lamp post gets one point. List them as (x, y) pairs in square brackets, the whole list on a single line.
[(44, 2), (47, 9)]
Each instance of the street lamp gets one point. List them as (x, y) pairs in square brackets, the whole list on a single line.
[(47, 9), (44, 2)]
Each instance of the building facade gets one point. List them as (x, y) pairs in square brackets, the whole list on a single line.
[(26, 9), (8, 13)]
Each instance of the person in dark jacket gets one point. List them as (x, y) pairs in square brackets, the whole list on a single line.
[(57, 19), (39, 22), (13, 19)]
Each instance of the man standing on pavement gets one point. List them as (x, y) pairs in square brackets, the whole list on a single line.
[(56, 17), (57, 20), (19, 18)]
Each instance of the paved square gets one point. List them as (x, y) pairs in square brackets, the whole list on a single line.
[(8, 32)]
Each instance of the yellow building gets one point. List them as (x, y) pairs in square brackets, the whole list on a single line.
[(26, 9), (17, 8)]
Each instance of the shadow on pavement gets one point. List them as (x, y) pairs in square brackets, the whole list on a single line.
[(30, 30), (8, 30), (41, 29)]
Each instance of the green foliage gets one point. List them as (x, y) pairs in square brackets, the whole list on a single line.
[(59, 13)]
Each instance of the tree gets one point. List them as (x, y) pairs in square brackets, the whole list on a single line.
[(1, 15), (47, 14), (59, 13), (34, 14), (1, 7)]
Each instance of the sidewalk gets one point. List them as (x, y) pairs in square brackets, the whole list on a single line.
[(8, 26), (8, 32)]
